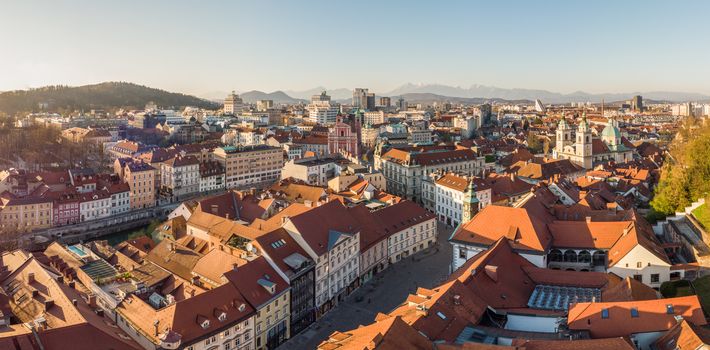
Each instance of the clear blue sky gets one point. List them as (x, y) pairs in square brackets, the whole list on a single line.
[(207, 46)]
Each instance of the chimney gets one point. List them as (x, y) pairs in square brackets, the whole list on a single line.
[(156, 323), (92, 300), (30, 278), (235, 266), (588, 219), (48, 303), (172, 246), (74, 302), (195, 280), (457, 299), (283, 219), (512, 176)]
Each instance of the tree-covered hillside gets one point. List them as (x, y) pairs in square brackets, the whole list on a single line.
[(108, 96), (685, 177)]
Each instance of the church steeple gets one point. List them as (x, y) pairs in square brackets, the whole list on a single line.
[(470, 203), (583, 145)]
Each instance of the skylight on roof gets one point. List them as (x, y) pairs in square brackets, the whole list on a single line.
[(278, 244)]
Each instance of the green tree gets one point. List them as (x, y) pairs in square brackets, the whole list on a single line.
[(534, 143)]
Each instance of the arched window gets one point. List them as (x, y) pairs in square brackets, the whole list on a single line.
[(555, 255), (570, 256), (584, 257)]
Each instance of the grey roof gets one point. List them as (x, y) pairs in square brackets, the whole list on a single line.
[(295, 260)]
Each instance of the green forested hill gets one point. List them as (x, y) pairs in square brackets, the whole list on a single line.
[(685, 176), (99, 96)]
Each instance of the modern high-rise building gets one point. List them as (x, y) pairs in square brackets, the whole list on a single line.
[(321, 110), (233, 104), (359, 98), (402, 104), (683, 109), (370, 101), (363, 99), (637, 103), (486, 112), (539, 107), (385, 102), (264, 105)]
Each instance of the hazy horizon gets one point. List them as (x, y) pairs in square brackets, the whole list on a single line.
[(214, 47)]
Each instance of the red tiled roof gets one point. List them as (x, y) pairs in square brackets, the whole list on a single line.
[(653, 316), (252, 280), (524, 230)]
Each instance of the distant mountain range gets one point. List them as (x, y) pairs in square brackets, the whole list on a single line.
[(429, 98), (335, 94), (276, 96), (495, 93), (107, 95), (111, 95)]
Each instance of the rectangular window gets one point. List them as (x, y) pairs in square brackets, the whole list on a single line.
[(638, 278), (655, 278)]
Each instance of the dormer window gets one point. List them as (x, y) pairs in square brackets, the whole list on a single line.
[(205, 324), (222, 317), (242, 307)]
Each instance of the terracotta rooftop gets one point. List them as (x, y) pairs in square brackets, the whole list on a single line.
[(386, 333), (616, 319), (684, 336)]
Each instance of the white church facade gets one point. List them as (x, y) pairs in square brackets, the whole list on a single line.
[(583, 149)]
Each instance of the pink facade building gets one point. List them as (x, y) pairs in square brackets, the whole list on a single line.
[(344, 136)]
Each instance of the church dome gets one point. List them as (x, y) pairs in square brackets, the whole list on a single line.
[(611, 132)]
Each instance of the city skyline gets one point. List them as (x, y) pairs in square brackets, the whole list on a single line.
[(269, 46)]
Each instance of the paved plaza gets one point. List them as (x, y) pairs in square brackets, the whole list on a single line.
[(381, 294)]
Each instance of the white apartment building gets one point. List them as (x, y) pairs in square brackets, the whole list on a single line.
[(408, 240), (250, 165), (314, 171), (467, 125), (180, 175), (120, 199), (450, 190), (417, 136), (374, 117), (331, 236), (95, 205), (243, 136), (321, 110), (406, 169), (233, 104), (212, 176)]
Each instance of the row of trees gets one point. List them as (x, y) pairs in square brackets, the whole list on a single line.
[(685, 176), (40, 147)]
